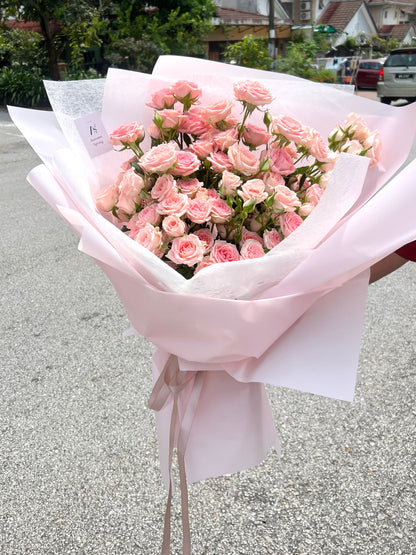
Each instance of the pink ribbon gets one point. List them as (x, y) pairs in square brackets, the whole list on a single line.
[(172, 382)]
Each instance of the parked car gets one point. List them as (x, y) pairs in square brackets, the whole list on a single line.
[(398, 76), (367, 73)]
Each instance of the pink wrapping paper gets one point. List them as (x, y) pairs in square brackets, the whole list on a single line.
[(240, 325)]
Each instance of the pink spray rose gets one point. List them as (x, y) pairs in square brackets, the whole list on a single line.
[(159, 159), (187, 163), (220, 211), (107, 199), (182, 89), (247, 234), (176, 203), (188, 250), (174, 226), (220, 162), (154, 131), (316, 145), (251, 249), (229, 183), (189, 187), (281, 160), (255, 136), (199, 210), (150, 238), (285, 199), (314, 194), (207, 238), (330, 161), (306, 209), (170, 118), (205, 262), (127, 164), (352, 147), (290, 128), (252, 92), (194, 124), (127, 133), (225, 139), (129, 191), (373, 143), (271, 238), (323, 180), (243, 160), (272, 180), (162, 98), (289, 221), (147, 215), (356, 125), (218, 111), (224, 252), (253, 190), (165, 185), (202, 148)]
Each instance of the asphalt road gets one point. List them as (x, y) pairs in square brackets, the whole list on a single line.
[(78, 454)]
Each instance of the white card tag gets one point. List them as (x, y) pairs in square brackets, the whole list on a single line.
[(93, 134)]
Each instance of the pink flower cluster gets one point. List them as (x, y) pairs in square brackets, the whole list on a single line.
[(214, 188), (355, 137)]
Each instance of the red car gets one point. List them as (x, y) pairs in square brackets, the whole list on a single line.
[(367, 73)]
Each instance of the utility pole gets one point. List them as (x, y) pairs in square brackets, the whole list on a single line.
[(272, 35)]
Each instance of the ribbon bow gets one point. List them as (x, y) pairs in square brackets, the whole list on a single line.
[(171, 382)]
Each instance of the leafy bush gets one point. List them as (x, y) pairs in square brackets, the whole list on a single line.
[(324, 76), (75, 74), (22, 49), (20, 87), (130, 53), (250, 52), (299, 59)]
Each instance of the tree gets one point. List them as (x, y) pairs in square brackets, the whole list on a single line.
[(163, 27), (299, 59), (250, 52), (138, 34), (45, 12)]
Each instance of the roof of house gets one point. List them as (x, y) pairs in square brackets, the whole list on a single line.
[(398, 32), (397, 3), (339, 13), (33, 26)]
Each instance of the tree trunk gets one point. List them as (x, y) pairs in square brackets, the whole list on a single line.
[(50, 47)]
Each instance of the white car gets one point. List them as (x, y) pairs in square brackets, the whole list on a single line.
[(397, 79)]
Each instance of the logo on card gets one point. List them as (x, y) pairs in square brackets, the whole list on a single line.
[(93, 134)]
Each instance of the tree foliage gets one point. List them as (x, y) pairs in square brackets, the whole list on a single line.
[(112, 28), (250, 52), (299, 59)]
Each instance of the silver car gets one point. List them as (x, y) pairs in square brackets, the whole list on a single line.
[(398, 76)]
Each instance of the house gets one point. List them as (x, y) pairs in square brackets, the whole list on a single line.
[(349, 18), (359, 18), (233, 19)]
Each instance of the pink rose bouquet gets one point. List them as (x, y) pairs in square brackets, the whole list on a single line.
[(275, 225), (206, 168)]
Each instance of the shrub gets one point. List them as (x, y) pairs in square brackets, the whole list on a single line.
[(22, 88), (22, 49), (250, 52)]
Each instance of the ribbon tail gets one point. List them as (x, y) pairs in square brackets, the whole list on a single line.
[(168, 511), (184, 432)]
